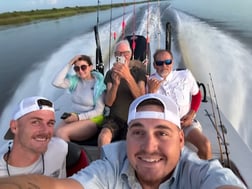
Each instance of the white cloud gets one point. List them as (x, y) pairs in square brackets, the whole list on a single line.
[(52, 2)]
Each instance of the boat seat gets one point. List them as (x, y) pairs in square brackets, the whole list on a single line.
[(76, 159)]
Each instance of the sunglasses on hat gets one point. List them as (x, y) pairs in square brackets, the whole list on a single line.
[(78, 68), (162, 62)]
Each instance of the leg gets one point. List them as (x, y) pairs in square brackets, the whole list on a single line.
[(196, 137), (109, 130), (104, 137), (78, 130)]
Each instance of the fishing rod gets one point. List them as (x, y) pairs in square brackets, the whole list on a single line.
[(159, 30), (147, 54), (223, 130), (168, 36), (123, 22), (110, 31), (214, 123), (98, 58), (134, 30)]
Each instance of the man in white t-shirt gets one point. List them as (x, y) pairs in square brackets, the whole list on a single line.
[(33, 148), (184, 90)]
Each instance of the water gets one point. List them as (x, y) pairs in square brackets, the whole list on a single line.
[(215, 37)]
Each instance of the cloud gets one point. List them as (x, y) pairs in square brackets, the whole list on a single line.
[(44, 2), (52, 2)]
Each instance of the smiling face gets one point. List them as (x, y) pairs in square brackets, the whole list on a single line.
[(83, 69), (153, 147), (33, 131)]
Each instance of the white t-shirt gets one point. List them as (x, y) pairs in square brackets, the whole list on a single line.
[(54, 161), (180, 85)]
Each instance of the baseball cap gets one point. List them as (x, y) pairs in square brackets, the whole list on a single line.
[(171, 112), (28, 105)]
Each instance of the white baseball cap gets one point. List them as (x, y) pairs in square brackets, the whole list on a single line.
[(28, 105), (171, 112)]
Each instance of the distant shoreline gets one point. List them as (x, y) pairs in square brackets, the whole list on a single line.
[(19, 17)]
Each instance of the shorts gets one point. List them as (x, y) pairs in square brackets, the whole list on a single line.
[(117, 126), (195, 125), (98, 120)]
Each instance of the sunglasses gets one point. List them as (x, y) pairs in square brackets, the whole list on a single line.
[(162, 62), (78, 68)]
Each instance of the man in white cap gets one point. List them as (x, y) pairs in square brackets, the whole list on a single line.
[(33, 150), (152, 157)]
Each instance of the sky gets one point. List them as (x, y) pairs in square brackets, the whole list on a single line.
[(24, 5)]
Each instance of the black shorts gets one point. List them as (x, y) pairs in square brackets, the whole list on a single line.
[(117, 126)]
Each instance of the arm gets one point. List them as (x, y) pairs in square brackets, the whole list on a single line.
[(111, 91), (196, 100), (186, 120), (60, 80), (137, 89), (37, 182), (111, 94)]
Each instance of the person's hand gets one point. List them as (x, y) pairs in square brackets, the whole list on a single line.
[(116, 78), (74, 59), (145, 62), (153, 85), (72, 118), (122, 70), (187, 119)]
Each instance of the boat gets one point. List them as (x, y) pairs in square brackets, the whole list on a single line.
[(227, 145)]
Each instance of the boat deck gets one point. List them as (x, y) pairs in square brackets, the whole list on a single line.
[(229, 155)]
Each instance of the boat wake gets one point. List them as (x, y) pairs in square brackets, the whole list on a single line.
[(206, 49)]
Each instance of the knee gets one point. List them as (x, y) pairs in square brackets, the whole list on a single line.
[(205, 151), (60, 132), (207, 145), (105, 133)]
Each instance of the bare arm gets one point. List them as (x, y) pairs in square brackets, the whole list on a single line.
[(37, 182), (111, 93), (60, 80), (137, 89)]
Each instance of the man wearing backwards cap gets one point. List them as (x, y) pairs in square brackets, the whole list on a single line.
[(33, 149), (152, 157)]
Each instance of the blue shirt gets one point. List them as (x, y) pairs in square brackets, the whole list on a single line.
[(114, 171)]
